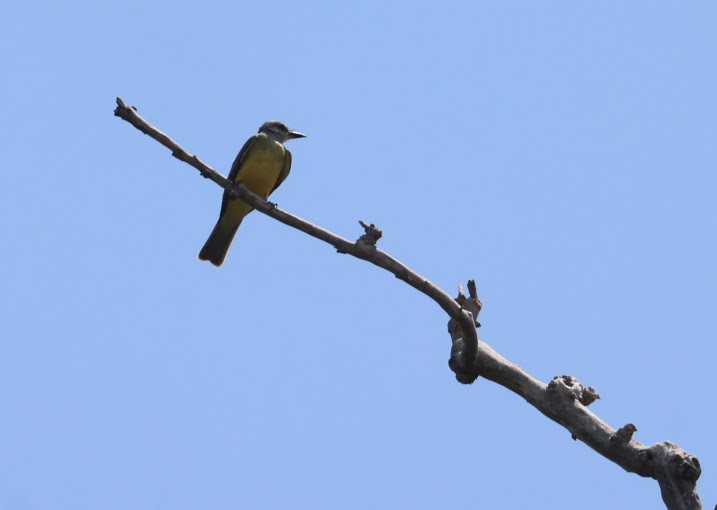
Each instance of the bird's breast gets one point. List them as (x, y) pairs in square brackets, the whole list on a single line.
[(262, 167)]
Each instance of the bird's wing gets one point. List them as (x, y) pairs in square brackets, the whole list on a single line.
[(236, 167), (284, 171)]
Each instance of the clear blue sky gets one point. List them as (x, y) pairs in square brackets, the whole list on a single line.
[(562, 154)]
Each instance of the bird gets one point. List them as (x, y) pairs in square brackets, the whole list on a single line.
[(262, 164)]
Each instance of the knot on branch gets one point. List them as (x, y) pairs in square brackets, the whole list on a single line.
[(465, 369), (681, 463), (623, 434), (676, 471), (567, 386), (196, 163), (371, 234)]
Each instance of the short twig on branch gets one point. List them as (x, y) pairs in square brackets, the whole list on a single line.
[(563, 400)]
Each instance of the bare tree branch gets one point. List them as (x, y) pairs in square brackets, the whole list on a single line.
[(563, 400), (364, 248)]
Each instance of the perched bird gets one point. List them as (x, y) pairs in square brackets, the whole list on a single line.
[(261, 165)]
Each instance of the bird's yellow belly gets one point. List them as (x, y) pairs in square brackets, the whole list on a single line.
[(262, 170), (259, 172)]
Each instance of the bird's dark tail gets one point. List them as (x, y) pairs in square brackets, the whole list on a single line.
[(217, 246)]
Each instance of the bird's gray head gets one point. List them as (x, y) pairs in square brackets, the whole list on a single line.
[(278, 131)]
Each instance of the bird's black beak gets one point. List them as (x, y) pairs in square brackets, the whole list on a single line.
[(296, 134)]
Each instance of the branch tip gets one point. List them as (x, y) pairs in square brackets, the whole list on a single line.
[(472, 289)]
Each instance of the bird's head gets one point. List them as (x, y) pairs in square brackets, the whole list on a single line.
[(278, 131)]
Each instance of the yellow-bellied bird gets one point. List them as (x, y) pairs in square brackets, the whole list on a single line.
[(261, 165)]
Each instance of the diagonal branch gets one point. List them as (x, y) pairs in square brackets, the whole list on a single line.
[(563, 400), (364, 248)]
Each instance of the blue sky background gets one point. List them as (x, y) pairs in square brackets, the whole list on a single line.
[(562, 154)]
